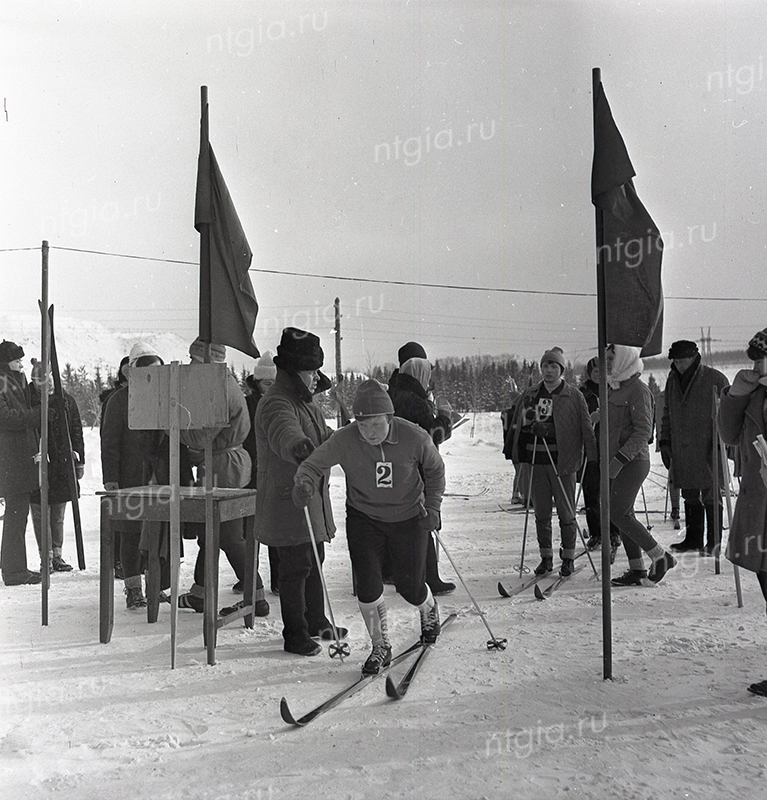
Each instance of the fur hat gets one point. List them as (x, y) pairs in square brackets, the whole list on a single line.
[(683, 349), (757, 347), (371, 400), (410, 350), (557, 355), (141, 350), (265, 369), (197, 350), (10, 351), (299, 351)]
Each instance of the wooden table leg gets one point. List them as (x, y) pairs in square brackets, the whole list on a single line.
[(251, 569), (212, 538), (106, 574)]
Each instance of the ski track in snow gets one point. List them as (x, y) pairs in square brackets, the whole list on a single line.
[(88, 721)]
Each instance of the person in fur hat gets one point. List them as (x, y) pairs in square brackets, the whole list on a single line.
[(687, 444), (395, 479), (289, 427), (551, 430), (18, 464), (742, 418)]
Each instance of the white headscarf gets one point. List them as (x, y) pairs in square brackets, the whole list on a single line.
[(418, 368), (626, 364)]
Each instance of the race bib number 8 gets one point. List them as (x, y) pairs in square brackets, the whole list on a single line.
[(384, 475)]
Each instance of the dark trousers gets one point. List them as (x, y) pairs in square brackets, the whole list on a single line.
[(699, 505), (301, 600), (546, 488), (13, 550), (623, 492), (231, 540), (370, 540), (591, 493)]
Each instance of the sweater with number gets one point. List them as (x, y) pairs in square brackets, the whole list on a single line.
[(389, 481)]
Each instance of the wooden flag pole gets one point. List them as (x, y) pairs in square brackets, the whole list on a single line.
[(716, 534), (175, 507), (604, 457), (45, 531)]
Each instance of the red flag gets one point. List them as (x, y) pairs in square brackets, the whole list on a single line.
[(632, 248), (232, 302)]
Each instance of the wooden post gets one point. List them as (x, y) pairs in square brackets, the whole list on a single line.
[(604, 455), (205, 298), (175, 507), (45, 531), (339, 370), (715, 490)]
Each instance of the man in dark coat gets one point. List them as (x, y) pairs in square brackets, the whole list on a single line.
[(64, 427), (289, 426), (18, 464), (687, 442)]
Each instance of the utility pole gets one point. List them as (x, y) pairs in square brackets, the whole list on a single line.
[(337, 331)]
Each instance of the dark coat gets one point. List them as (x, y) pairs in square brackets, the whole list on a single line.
[(740, 420), (128, 457), (286, 415), (19, 473), (411, 402), (59, 465), (687, 425)]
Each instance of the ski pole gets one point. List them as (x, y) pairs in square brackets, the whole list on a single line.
[(572, 510), (494, 643), (522, 568), (665, 503), (646, 512), (340, 649), (728, 498)]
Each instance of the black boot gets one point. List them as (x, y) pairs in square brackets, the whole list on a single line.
[(436, 584), (546, 565), (295, 630), (274, 569), (713, 530), (694, 516)]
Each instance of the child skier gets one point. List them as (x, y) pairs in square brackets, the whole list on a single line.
[(395, 479)]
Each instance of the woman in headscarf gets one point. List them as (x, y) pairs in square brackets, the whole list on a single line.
[(742, 417), (410, 397), (630, 419)]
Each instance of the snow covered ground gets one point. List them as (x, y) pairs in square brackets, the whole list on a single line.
[(83, 720)]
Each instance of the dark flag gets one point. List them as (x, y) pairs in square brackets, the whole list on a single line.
[(631, 248), (232, 302)]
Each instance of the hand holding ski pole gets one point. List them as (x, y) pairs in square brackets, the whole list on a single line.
[(761, 448)]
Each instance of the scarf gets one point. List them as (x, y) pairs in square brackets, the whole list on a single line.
[(626, 364)]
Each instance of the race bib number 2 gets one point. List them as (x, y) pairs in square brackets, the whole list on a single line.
[(384, 475)]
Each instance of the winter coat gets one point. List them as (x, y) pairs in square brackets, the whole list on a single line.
[(287, 415), (128, 457), (416, 476), (19, 473), (231, 462), (740, 420), (630, 410), (590, 392), (252, 400), (59, 466), (411, 402), (572, 428), (687, 425)]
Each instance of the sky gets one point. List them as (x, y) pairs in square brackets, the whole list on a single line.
[(414, 142)]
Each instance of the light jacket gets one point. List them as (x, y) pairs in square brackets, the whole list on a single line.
[(630, 418)]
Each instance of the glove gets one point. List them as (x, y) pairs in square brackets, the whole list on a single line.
[(542, 429), (665, 454), (79, 471), (746, 381), (111, 486), (430, 521), (302, 492), (302, 450), (616, 466)]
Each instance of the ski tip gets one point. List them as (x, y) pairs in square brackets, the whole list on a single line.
[(391, 689), (285, 713), (502, 590), (539, 595)]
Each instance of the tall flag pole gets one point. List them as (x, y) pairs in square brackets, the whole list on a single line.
[(629, 251), (45, 531), (228, 305)]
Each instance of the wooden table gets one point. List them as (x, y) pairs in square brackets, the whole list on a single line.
[(151, 505)]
